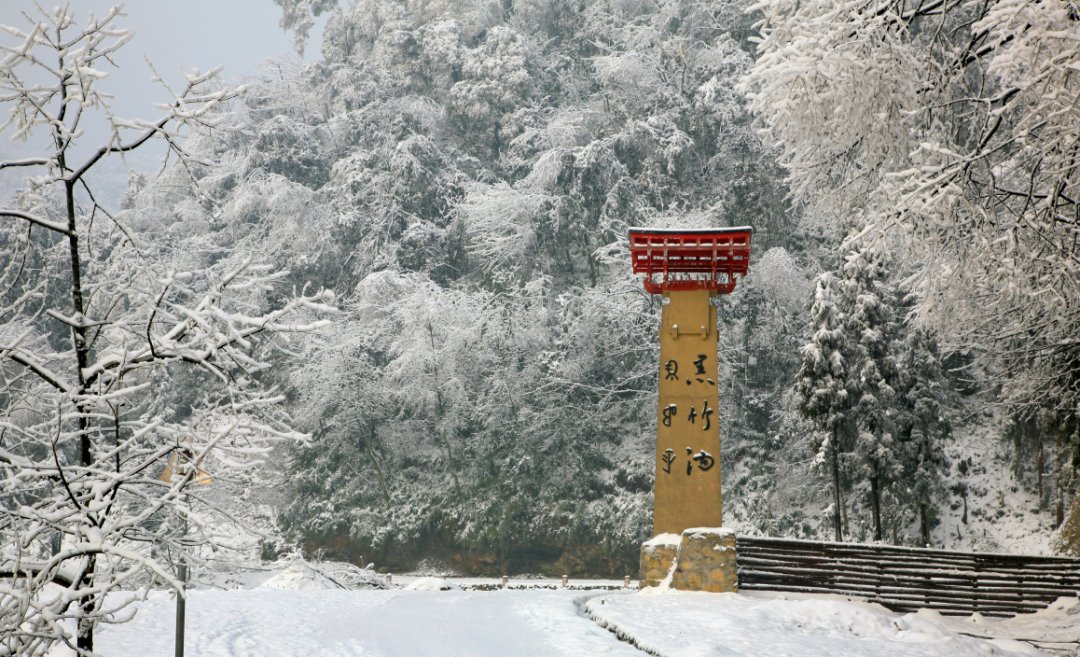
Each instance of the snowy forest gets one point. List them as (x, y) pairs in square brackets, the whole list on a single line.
[(384, 300)]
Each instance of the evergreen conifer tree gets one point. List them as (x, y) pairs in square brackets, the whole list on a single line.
[(871, 331), (823, 380), (923, 427)]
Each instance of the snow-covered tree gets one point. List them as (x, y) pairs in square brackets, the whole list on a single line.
[(922, 428), (481, 162), (822, 383), (850, 384), (870, 326), (123, 380), (763, 330), (464, 411), (950, 130), (299, 17)]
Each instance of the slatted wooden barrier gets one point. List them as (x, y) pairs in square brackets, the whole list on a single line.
[(907, 579)]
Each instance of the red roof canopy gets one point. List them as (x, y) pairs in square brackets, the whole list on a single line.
[(690, 258)]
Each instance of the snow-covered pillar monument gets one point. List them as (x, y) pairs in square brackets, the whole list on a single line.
[(689, 267)]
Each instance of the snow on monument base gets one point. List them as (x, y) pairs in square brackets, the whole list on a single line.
[(702, 559), (657, 557)]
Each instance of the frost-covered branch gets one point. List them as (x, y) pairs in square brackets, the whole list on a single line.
[(54, 226), (952, 134), (115, 371)]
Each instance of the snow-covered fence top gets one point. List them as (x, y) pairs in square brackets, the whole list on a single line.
[(908, 579)]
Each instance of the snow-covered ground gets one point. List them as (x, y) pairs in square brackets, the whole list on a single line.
[(1056, 628), (275, 623), (272, 622), (680, 624)]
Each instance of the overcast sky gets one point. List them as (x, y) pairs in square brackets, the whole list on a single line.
[(177, 36)]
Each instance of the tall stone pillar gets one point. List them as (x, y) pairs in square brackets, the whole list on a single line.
[(689, 266), (687, 491)]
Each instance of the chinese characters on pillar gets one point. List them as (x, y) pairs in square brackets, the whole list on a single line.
[(695, 418), (671, 372), (705, 415), (704, 460)]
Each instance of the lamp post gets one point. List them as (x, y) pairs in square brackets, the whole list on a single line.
[(181, 596), (181, 461)]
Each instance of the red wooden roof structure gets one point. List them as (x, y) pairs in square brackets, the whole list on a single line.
[(690, 258)]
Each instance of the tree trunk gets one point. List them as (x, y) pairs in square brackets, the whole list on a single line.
[(375, 462), (1059, 473), (1040, 464), (84, 640), (1018, 446), (78, 333), (924, 524), (834, 449), (875, 501), (85, 633)]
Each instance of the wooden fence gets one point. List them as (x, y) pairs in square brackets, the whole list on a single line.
[(907, 579)]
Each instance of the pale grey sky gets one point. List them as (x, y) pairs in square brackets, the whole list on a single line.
[(180, 35), (177, 36)]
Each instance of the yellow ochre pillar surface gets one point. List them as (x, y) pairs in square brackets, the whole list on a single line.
[(687, 491)]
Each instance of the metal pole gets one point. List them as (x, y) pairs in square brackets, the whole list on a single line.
[(181, 595), (180, 609)]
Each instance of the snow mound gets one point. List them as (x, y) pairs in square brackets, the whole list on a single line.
[(664, 539), (351, 576), (303, 575), (702, 532), (432, 584), (300, 577)]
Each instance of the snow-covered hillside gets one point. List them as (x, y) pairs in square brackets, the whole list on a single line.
[(1002, 511)]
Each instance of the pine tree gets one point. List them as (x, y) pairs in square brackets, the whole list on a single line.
[(923, 427), (870, 327), (823, 380)]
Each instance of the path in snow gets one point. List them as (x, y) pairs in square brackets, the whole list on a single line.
[(267, 623)]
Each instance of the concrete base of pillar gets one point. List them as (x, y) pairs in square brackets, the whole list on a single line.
[(702, 559), (657, 558), (706, 561)]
